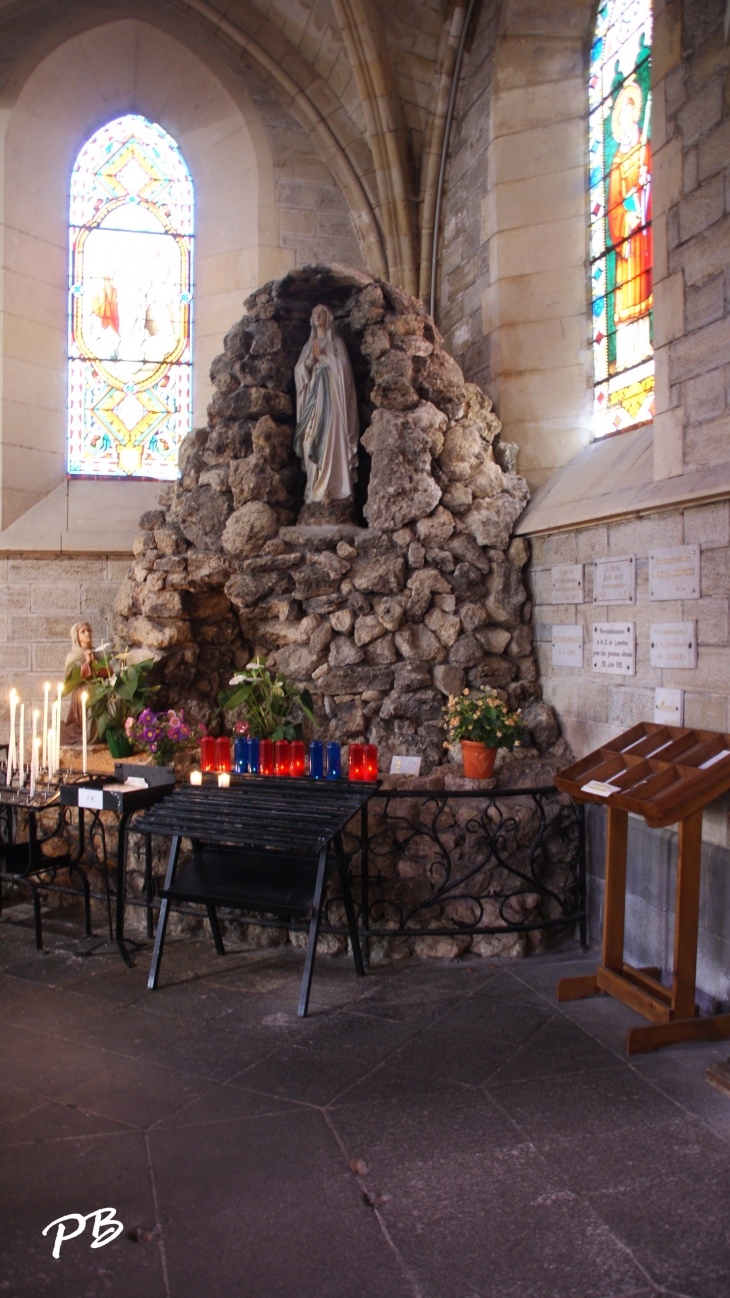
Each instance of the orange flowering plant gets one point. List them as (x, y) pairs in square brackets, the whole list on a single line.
[(483, 718)]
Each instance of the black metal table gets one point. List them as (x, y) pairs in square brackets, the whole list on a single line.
[(25, 861), (261, 845), (98, 793)]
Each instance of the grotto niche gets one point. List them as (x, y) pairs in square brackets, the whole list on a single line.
[(382, 606)]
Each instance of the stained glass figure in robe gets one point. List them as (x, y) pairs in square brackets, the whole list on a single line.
[(130, 312), (620, 203)]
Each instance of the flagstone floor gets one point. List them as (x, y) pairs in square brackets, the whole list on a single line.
[(433, 1131)]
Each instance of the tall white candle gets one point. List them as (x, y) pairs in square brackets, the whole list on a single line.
[(21, 748), (49, 749), (36, 714), (46, 689), (11, 744), (52, 758), (58, 726), (84, 749), (34, 760)]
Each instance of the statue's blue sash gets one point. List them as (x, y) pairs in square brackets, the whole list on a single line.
[(320, 384)]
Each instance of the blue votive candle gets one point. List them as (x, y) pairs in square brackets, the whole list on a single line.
[(334, 760), (253, 756), (316, 760), (240, 755)]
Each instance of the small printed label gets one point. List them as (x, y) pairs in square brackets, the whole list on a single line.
[(614, 580), (93, 798), (567, 583), (601, 789), (405, 765), (669, 707), (567, 646)]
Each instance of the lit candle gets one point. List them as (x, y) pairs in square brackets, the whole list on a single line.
[(196, 777), (84, 742), (58, 725), (53, 753), (224, 780), (12, 760), (36, 714), (21, 748), (49, 751), (46, 689)]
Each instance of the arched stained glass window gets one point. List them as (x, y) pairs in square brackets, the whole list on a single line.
[(130, 303), (620, 214)]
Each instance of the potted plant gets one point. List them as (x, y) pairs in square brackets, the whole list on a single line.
[(481, 723), (117, 691), (162, 734), (268, 701)]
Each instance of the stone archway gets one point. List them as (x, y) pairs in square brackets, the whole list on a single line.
[(382, 618)]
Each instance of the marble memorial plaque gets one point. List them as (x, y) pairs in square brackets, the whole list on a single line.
[(614, 648), (669, 707), (673, 644), (614, 580), (567, 583), (568, 645), (674, 573)]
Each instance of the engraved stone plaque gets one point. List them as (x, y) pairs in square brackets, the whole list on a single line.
[(568, 645), (614, 648), (673, 644), (669, 707), (567, 579), (614, 580), (674, 573)]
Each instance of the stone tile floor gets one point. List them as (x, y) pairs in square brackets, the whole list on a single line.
[(435, 1131)]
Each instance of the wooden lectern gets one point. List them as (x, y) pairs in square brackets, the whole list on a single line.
[(667, 774)]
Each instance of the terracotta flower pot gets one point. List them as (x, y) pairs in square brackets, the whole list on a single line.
[(478, 760)]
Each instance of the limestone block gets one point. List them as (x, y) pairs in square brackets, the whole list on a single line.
[(201, 516), (143, 542), (465, 548), (506, 593), (441, 381), (463, 448), (441, 559), (418, 705), (444, 625), (160, 603), (415, 641), (254, 479), (433, 422), (411, 676), (297, 661), (246, 589), (368, 628), (344, 651), (332, 564), (521, 641), (457, 498), (390, 612), (466, 652), (375, 342), (321, 638), (126, 603), (382, 650), (446, 602), (450, 680), (170, 540), (245, 530), (382, 574), (416, 555), (486, 480), (494, 638), (342, 620), (491, 521), (273, 441), (157, 635), (401, 487), (437, 528)]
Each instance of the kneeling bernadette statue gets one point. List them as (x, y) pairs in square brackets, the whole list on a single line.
[(327, 433)]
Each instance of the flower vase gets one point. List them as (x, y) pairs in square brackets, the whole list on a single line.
[(119, 745), (478, 760)]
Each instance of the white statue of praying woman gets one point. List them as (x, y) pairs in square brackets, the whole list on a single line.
[(326, 437)]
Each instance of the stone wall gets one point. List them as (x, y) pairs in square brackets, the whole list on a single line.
[(381, 613)]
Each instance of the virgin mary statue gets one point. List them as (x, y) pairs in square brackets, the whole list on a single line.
[(326, 436)]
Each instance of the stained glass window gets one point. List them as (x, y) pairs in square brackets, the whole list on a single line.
[(620, 215), (130, 303)]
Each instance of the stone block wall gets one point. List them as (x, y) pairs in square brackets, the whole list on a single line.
[(593, 707), (40, 599)]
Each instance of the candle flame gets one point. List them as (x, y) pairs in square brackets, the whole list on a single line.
[(84, 697)]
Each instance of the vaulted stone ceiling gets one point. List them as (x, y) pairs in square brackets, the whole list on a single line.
[(368, 80)]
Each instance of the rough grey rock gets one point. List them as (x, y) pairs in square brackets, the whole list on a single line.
[(401, 487), (247, 528)]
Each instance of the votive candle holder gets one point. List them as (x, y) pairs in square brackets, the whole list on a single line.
[(266, 757), (253, 755), (207, 753), (296, 758), (240, 755), (281, 757), (316, 760), (370, 762), (223, 754), (356, 762), (334, 760)]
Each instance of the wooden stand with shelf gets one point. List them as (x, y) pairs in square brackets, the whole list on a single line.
[(667, 774)]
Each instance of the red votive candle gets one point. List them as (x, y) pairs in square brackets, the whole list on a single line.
[(223, 754), (296, 757), (355, 762), (207, 753), (281, 757), (266, 757), (370, 762)]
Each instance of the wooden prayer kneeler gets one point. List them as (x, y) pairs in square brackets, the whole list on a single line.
[(667, 774)]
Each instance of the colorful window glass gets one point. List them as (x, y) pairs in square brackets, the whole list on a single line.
[(620, 216), (130, 303)]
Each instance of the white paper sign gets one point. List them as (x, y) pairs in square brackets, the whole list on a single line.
[(568, 645), (598, 787), (567, 582), (673, 644), (614, 580), (668, 707), (674, 573), (405, 765), (614, 648), (93, 798)]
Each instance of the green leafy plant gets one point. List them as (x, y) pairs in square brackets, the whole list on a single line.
[(116, 689), (268, 702), (483, 718)]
